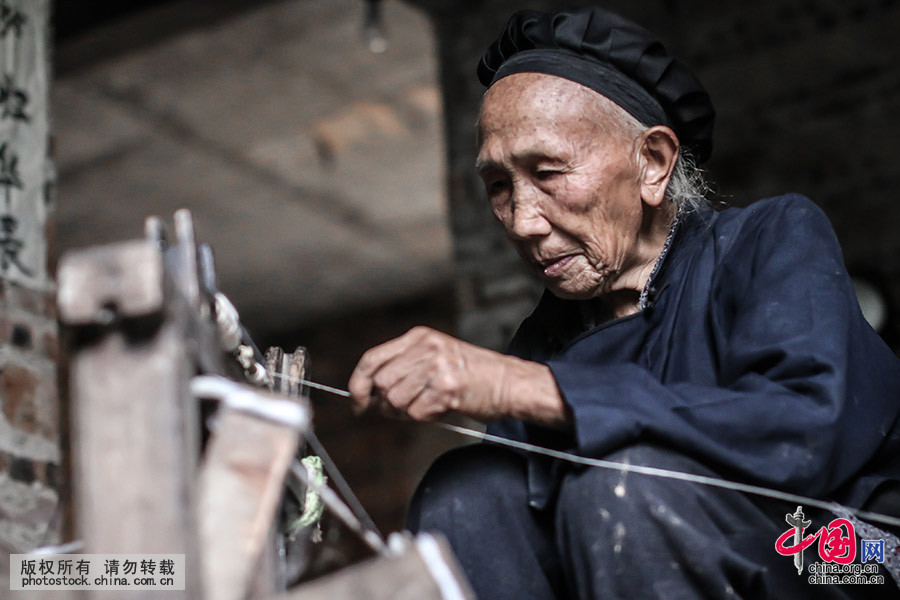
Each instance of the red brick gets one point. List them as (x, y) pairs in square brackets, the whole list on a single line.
[(50, 305), (18, 385), (38, 303), (47, 406), (41, 415), (29, 400), (25, 299), (50, 345)]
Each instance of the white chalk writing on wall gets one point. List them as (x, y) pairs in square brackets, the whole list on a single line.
[(24, 166)]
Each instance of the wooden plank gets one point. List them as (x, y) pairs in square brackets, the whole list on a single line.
[(240, 486), (424, 570), (97, 284), (131, 424)]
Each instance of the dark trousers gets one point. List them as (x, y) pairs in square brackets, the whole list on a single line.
[(613, 535)]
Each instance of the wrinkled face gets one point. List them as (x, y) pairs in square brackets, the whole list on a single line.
[(567, 191)]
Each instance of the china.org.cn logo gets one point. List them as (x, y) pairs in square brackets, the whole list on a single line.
[(837, 550)]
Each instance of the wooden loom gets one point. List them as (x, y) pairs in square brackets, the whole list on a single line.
[(140, 317)]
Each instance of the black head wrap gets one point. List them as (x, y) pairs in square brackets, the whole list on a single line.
[(612, 56)]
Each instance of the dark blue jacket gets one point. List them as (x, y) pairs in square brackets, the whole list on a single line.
[(752, 357)]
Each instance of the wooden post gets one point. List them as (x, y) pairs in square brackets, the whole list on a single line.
[(133, 426)]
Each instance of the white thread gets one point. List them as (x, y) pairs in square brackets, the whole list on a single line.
[(756, 490), (318, 386)]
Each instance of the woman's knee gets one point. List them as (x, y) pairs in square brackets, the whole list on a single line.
[(597, 491), (466, 483)]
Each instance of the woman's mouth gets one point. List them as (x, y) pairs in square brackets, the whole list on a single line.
[(555, 266)]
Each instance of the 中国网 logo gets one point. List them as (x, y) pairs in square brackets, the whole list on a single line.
[(837, 549)]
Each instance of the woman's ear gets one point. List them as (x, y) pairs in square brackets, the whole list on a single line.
[(659, 150)]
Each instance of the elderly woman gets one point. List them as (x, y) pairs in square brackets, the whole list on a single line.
[(727, 344)]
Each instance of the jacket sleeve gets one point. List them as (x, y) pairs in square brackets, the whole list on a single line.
[(805, 391)]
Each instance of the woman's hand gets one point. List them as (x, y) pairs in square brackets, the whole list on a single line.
[(425, 374)]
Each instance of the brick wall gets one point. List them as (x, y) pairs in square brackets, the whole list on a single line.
[(807, 93), (29, 420)]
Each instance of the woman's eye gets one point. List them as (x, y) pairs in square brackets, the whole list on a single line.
[(546, 175), (496, 186)]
